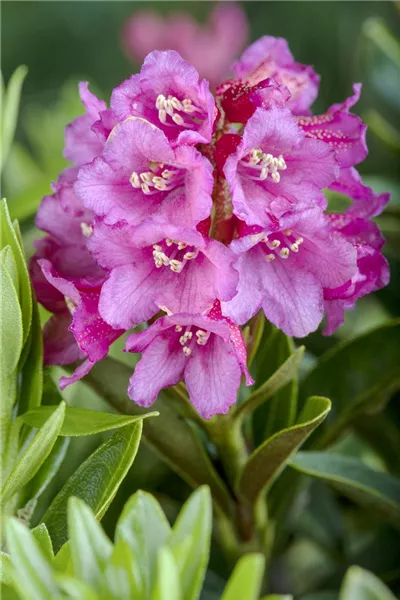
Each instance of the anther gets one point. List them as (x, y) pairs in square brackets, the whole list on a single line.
[(270, 257), (284, 253), (178, 328), (287, 232), (134, 180), (177, 119), (86, 229), (186, 351), (294, 247), (275, 177)]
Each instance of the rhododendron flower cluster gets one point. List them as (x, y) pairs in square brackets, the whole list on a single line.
[(191, 212)]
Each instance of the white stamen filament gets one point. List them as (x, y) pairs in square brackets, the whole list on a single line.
[(147, 180), (284, 252), (168, 106), (267, 164), (161, 259)]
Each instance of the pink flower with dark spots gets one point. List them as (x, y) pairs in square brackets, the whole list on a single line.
[(156, 266), (284, 271), (167, 92), (83, 142), (271, 57), (341, 130), (139, 175), (210, 48), (206, 351), (276, 167)]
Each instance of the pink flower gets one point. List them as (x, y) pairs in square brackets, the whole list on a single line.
[(139, 174), (275, 167), (206, 351), (156, 266), (167, 93), (271, 57), (68, 281), (284, 269), (210, 48), (85, 136), (341, 130)]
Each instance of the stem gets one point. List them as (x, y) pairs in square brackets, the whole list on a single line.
[(230, 443)]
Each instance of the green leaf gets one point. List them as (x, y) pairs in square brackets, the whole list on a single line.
[(358, 376), (5, 569), (372, 489), (47, 471), (171, 436), (33, 571), (81, 421), (278, 597), (119, 573), (35, 454), (90, 547), (43, 539), (8, 263), (31, 385), (75, 588), (10, 237), (11, 333), (360, 584), (269, 459), (193, 524), (10, 108), (145, 528), (245, 581), (273, 366), (167, 579), (96, 481), (280, 378)]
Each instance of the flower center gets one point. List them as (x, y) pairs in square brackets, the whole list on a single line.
[(281, 244), (165, 254), (180, 112), (187, 340), (264, 165), (157, 180)]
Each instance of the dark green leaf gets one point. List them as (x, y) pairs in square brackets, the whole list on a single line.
[(357, 376), (170, 435), (372, 489), (31, 384), (269, 459), (145, 528), (90, 547), (35, 454), (81, 421), (96, 481), (245, 581)]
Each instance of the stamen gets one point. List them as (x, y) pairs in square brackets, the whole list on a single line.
[(70, 304), (270, 257), (186, 351), (134, 179), (284, 253), (86, 229), (294, 247), (202, 337), (178, 328), (287, 232), (266, 164)]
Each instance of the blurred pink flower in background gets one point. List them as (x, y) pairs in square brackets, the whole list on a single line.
[(210, 48)]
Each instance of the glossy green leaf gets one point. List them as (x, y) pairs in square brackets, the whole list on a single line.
[(10, 108), (90, 547), (170, 435), (5, 568), (47, 471), (358, 376), (145, 528), (275, 369), (193, 524), (279, 379), (269, 459), (96, 481), (31, 384), (369, 488), (167, 578), (32, 568), (360, 584), (10, 237), (119, 573), (35, 454), (81, 421), (245, 581), (43, 540)]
